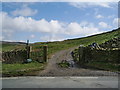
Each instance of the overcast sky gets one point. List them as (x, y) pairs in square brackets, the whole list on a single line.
[(51, 21)]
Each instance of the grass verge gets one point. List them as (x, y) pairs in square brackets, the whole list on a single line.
[(21, 69), (103, 66)]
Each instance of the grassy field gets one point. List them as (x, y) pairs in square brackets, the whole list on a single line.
[(8, 47), (54, 47), (57, 46)]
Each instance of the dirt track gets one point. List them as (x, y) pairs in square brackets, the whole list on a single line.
[(53, 69)]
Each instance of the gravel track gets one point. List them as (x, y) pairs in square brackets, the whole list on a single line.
[(53, 69)]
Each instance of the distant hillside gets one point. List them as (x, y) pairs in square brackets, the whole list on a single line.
[(60, 45), (6, 42), (116, 33), (7, 46), (99, 38)]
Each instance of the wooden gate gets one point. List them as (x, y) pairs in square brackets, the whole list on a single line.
[(36, 52), (39, 54)]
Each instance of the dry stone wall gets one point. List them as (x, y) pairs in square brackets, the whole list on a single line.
[(14, 56), (100, 55), (108, 52), (113, 43)]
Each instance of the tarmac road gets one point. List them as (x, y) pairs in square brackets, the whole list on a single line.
[(60, 82)]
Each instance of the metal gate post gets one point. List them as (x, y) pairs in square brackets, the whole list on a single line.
[(28, 49)]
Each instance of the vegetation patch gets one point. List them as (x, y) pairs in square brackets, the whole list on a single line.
[(103, 66), (64, 64), (21, 69), (9, 47)]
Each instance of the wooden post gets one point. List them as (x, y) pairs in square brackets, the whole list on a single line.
[(87, 54), (45, 53), (28, 52), (81, 54)]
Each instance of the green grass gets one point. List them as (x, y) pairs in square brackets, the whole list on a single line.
[(9, 47), (21, 69), (103, 65), (63, 65), (100, 38)]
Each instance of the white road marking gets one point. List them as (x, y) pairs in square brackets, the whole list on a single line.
[(49, 77)]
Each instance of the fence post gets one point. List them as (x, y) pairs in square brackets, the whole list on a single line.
[(45, 53), (28, 52), (81, 54)]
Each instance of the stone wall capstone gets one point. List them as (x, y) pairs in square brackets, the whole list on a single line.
[(113, 43)]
